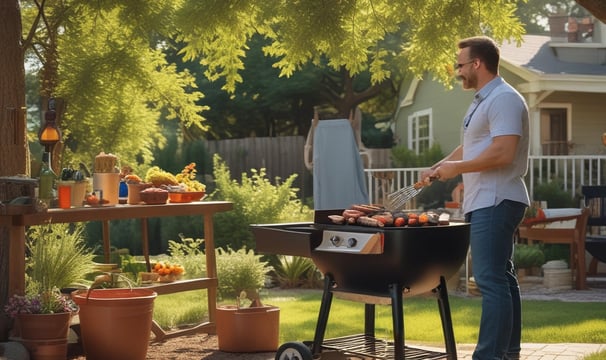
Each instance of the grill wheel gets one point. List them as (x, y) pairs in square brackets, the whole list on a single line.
[(293, 350)]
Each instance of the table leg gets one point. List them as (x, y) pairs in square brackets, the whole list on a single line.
[(145, 243), (106, 247), (16, 262), (211, 265)]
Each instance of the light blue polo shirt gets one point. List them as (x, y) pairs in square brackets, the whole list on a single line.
[(498, 109)]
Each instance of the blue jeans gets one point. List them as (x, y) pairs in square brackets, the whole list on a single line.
[(492, 231)]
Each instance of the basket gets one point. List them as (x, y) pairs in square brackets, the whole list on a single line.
[(155, 197)]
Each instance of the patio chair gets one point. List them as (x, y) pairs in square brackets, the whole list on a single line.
[(595, 240)]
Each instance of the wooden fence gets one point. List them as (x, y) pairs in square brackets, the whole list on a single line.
[(281, 157)]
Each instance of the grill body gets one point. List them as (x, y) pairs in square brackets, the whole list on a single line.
[(410, 260), (414, 258)]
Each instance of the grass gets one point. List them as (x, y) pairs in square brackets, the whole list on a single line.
[(543, 321)]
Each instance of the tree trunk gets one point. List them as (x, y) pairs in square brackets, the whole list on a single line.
[(14, 156)]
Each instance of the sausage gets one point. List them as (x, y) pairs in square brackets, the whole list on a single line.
[(367, 209), (351, 213), (337, 219), (368, 221)]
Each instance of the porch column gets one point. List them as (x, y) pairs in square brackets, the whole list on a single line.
[(534, 118)]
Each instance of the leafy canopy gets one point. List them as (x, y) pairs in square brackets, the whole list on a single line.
[(353, 34), (107, 59)]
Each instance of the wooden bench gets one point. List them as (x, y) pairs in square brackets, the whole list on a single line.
[(538, 231)]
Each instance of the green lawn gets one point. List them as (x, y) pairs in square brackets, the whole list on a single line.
[(543, 321)]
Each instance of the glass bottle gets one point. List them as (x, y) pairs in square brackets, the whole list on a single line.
[(46, 190)]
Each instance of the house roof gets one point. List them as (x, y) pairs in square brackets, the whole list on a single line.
[(536, 55)]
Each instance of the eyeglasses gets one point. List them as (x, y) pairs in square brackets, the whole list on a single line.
[(459, 66)]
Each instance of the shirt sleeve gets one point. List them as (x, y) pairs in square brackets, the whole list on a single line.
[(506, 114)]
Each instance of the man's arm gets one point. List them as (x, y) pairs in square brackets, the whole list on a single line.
[(499, 154)]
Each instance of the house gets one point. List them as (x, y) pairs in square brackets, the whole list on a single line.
[(563, 79)]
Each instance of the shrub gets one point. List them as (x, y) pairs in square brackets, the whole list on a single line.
[(527, 256), (189, 254), (239, 271), (295, 271), (255, 201), (554, 194)]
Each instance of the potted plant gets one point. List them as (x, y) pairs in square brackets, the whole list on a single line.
[(245, 327), (58, 258)]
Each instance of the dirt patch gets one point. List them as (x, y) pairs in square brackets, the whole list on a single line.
[(190, 347)]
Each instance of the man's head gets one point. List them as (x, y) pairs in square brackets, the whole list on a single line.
[(477, 61)]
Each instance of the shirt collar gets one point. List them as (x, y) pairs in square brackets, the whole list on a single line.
[(487, 89)]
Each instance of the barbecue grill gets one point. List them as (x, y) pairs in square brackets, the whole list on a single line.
[(375, 266)]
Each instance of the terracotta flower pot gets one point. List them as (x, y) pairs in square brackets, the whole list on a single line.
[(251, 329), (44, 335), (115, 323), (44, 326)]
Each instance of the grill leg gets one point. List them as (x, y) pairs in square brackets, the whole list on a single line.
[(443, 304), (323, 315), (397, 312), (369, 319)]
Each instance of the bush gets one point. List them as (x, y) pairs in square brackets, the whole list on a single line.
[(295, 272), (527, 256), (554, 194), (189, 254), (239, 271), (255, 201)]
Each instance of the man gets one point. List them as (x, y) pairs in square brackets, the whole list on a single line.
[(493, 159)]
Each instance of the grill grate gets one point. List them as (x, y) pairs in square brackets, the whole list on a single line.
[(369, 346)]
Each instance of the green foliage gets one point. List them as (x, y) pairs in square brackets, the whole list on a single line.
[(238, 271), (354, 36), (255, 201), (403, 157), (296, 271), (58, 257), (553, 192), (131, 267), (376, 133), (435, 195), (189, 253), (527, 256), (556, 252)]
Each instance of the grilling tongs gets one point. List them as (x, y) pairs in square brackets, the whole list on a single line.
[(397, 199)]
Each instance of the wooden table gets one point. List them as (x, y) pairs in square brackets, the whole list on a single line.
[(573, 236), (17, 224)]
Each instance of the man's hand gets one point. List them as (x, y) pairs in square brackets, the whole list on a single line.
[(446, 170)]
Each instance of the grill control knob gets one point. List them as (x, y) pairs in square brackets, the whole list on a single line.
[(336, 240), (352, 242)]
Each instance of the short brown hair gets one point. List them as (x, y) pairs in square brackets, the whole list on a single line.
[(485, 49)]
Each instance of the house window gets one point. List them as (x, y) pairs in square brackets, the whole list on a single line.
[(554, 131), (420, 131)]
